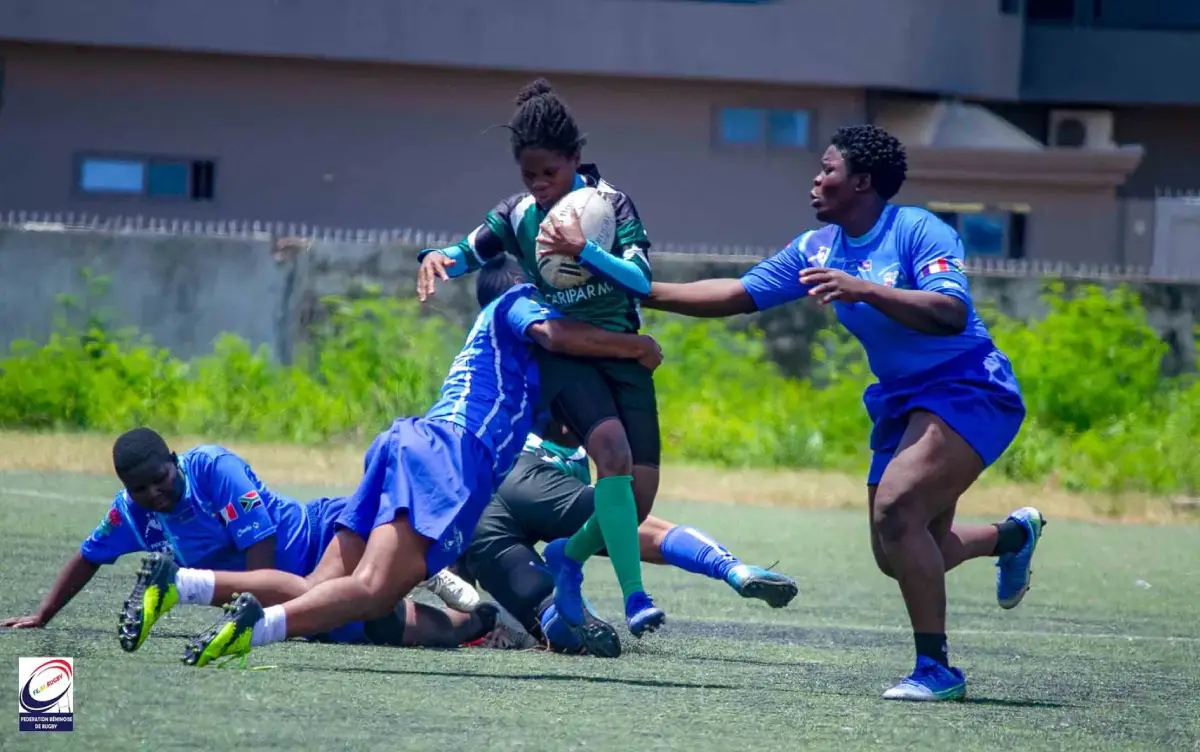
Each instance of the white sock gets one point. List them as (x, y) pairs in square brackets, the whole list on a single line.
[(271, 628), (195, 586)]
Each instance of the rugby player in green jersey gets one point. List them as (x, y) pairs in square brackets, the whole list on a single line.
[(610, 403)]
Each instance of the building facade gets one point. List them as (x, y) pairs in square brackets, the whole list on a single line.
[(1043, 130)]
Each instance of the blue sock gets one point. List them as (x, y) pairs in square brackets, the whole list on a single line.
[(694, 551)]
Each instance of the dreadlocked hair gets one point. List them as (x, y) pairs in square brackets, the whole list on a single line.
[(870, 149), (543, 121), (133, 448)]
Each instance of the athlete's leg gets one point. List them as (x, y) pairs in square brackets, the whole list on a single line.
[(161, 584), (583, 401), (391, 566)]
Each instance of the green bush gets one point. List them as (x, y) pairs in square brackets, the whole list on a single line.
[(1101, 414)]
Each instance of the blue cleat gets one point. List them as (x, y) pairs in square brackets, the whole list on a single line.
[(596, 635), (642, 615), (930, 681), (1013, 570), (568, 581), (563, 638), (775, 589)]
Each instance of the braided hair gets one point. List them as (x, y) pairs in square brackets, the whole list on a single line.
[(543, 121)]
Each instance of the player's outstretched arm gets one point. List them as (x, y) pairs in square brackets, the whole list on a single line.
[(586, 341), (708, 298), (486, 242), (75, 574)]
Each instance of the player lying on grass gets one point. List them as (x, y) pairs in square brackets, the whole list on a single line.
[(426, 480), (206, 509), (609, 402), (547, 497), (946, 404)]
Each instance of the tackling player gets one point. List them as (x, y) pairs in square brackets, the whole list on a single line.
[(426, 481), (206, 509), (547, 497), (946, 404), (609, 402)]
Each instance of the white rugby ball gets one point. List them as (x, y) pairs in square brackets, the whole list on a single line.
[(599, 224)]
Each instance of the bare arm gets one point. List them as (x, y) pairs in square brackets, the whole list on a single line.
[(261, 555), (926, 312), (587, 341), (708, 298), (75, 574)]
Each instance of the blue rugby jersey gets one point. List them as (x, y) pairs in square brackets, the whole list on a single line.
[(492, 389), (909, 249), (225, 510)]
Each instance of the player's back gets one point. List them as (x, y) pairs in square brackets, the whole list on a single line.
[(491, 390), (204, 467)]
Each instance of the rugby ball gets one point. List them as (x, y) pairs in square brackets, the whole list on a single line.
[(599, 224)]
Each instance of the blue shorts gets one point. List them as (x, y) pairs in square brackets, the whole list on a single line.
[(435, 472), (976, 393), (322, 514)]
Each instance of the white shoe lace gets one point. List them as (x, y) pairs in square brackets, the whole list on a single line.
[(453, 591)]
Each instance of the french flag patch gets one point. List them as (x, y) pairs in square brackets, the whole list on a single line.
[(941, 266)]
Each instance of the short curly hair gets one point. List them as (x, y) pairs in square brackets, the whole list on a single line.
[(871, 149), (136, 447)]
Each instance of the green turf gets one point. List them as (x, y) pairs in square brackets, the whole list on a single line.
[(1091, 659)]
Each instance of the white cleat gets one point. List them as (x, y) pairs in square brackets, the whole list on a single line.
[(453, 590)]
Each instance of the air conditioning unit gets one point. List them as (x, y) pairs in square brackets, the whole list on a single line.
[(1081, 129)]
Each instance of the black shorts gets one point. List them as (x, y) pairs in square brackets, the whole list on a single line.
[(537, 503), (583, 392)]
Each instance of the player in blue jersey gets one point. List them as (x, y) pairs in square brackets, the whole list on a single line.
[(207, 511), (946, 404), (426, 479)]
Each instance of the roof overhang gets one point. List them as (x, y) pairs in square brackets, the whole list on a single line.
[(950, 141)]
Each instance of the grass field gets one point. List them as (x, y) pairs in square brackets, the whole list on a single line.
[(1103, 654)]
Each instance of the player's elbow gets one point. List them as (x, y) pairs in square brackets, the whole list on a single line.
[(954, 316), (547, 335)]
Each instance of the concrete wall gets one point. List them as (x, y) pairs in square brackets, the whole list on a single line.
[(184, 291), (360, 145), (954, 46), (369, 145)]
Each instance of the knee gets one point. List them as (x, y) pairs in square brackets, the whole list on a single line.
[(609, 449), (881, 559), (377, 596), (896, 515)]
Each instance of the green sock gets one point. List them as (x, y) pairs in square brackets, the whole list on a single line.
[(616, 518), (586, 542)]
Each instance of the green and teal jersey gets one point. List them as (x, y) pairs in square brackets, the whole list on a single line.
[(573, 462), (512, 227)]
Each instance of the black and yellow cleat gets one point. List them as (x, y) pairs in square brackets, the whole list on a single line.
[(154, 594), (230, 637)]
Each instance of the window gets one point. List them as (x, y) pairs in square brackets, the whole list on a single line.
[(788, 128), (995, 231), (1054, 11), (752, 126), (147, 177)]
